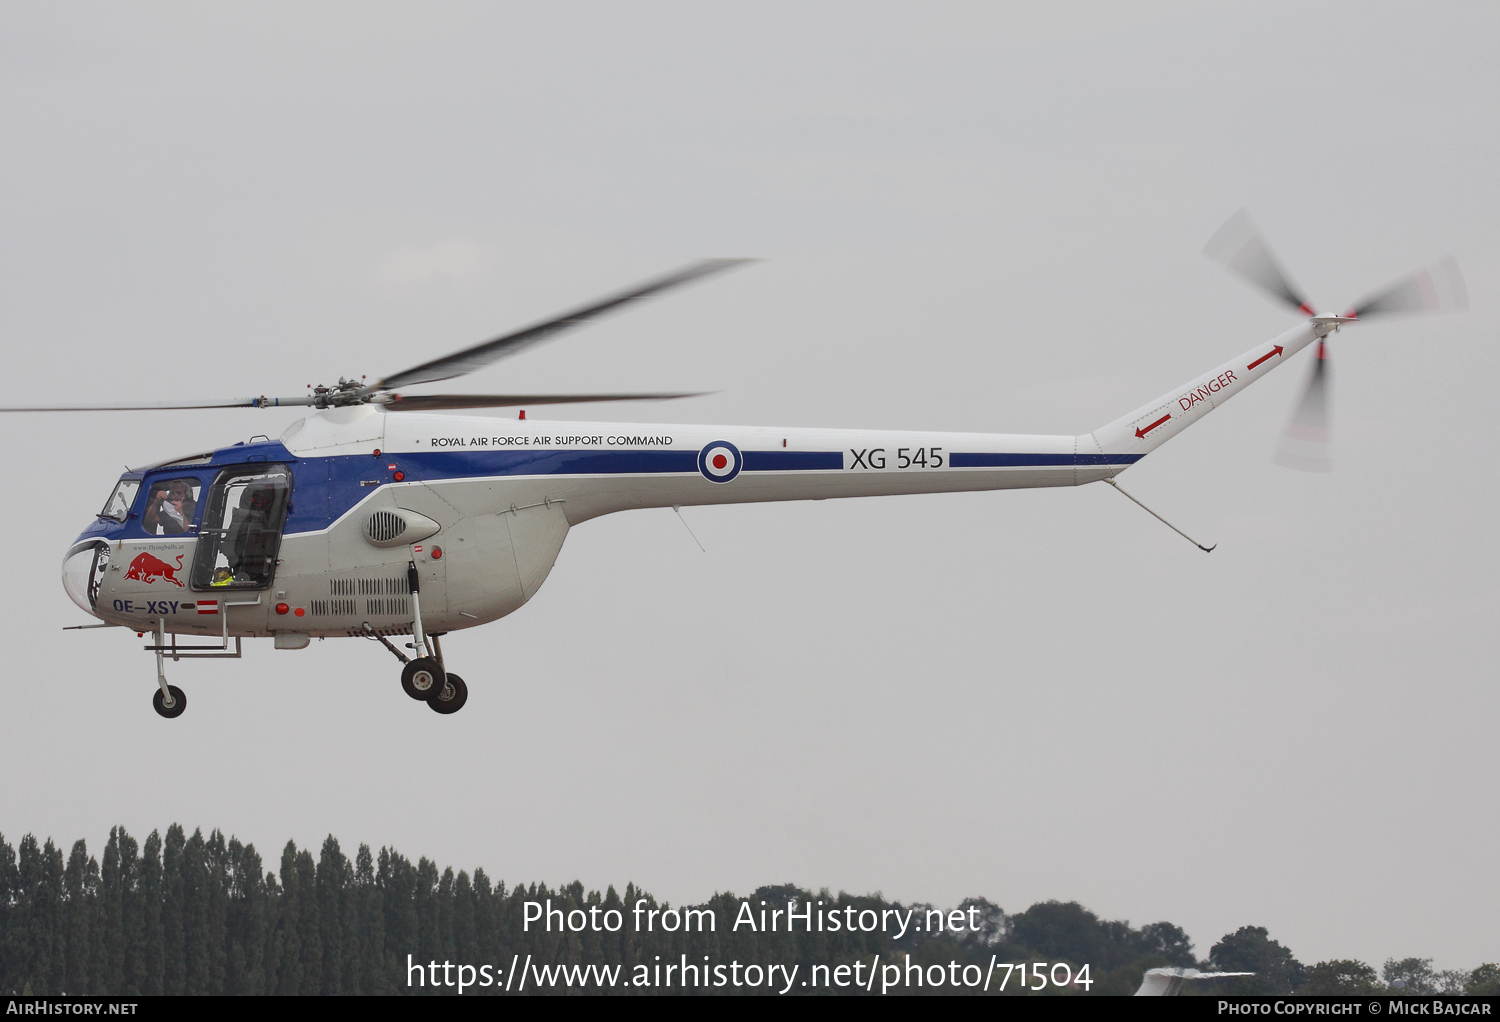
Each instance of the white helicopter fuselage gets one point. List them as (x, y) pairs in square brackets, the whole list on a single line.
[(480, 506)]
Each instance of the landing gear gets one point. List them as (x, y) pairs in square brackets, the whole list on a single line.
[(168, 699), (451, 697), (169, 702), (422, 678)]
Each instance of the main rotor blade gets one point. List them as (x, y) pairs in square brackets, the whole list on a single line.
[(480, 355), (1239, 246), (438, 402), (1304, 445), (1439, 288), (147, 406)]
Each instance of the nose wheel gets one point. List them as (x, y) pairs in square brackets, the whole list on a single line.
[(169, 702)]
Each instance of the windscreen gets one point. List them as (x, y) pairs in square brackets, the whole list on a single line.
[(118, 505)]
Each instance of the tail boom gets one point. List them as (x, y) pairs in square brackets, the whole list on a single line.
[(1153, 424)]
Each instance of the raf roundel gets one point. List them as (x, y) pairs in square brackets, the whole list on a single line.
[(719, 462)]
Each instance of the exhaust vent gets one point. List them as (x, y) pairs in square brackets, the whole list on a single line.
[(397, 527)]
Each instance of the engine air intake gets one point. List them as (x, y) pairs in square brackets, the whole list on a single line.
[(386, 526), (397, 526)]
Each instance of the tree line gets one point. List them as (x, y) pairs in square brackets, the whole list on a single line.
[(179, 914)]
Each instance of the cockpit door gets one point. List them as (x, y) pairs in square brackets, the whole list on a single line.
[(241, 532)]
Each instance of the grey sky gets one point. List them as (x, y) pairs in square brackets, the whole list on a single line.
[(975, 218)]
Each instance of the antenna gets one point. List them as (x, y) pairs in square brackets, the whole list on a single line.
[(689, 528), (1159, 518)]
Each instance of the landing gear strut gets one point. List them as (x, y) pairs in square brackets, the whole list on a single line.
[(424, 677), (168, 699)]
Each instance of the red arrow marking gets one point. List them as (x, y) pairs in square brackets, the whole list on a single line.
[(1270, 354), (1139, 433)]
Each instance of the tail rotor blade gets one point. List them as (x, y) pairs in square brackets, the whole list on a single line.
[(1439, 288), (1240, 247), (1305, 444)]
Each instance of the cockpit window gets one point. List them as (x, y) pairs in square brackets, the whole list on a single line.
[(118, 505), (171, 506), (241, 532)]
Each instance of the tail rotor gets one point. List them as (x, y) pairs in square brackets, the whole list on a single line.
[(1304, 444)]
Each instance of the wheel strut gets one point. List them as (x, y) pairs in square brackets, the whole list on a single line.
[(161, 662), (412, 584), (371, 633), (169, 701)]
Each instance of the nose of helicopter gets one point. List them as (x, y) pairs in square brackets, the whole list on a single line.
[(83, 570)]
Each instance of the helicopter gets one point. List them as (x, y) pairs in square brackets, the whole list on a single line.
[(378, 517)]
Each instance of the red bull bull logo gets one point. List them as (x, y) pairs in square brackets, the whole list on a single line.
[(147, 568)]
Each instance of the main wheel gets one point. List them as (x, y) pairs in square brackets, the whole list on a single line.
[(452, 696), (179, 702), (422, 678)]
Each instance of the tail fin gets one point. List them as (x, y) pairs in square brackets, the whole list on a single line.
[(1151, 425)]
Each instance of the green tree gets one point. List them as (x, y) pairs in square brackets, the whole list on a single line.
[(308, 926), (288, 929), (153, 942), (132, 919), (216, 909), (12, 947), (397, 881), (245, 920), (197, 936), (1410, 975), (77, 908), (1065, 931), (375, 973), (174, 955), (34, 916), (1251, 949), (1483, 981), (112, 916), (1169, 941), (333, 883), (1340, 976)]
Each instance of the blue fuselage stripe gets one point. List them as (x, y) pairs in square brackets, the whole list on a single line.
[(792, 461), (1040, 460)]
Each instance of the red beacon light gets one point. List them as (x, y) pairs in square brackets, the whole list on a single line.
[(282, 608)]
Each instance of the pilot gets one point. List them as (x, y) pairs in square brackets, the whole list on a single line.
[(170, 510), (249, 536)]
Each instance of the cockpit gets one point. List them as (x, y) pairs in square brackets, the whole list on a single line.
[(235, 514)]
